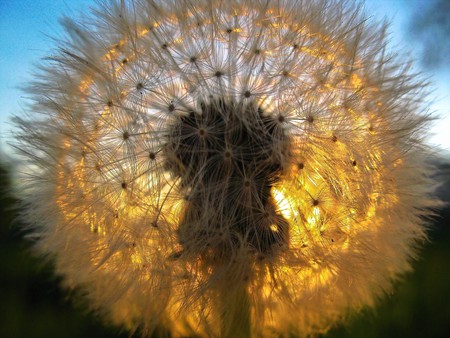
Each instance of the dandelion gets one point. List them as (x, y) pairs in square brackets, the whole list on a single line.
[(226, 168)]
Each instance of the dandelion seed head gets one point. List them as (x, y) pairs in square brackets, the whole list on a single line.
[(190, 159)]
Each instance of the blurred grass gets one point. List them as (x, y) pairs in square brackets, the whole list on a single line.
[(32, 305)]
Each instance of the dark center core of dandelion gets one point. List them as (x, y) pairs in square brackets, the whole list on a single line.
[(227, 158)]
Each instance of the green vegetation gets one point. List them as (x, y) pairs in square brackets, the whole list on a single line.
[(34, 306)]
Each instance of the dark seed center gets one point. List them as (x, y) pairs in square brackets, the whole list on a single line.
[(231, 193)]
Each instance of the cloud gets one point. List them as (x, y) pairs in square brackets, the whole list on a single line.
[(430, 26)]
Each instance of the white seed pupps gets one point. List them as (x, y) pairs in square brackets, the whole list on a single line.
[(226, 168)]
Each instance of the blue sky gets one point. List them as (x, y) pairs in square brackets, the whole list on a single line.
[(25, 27)]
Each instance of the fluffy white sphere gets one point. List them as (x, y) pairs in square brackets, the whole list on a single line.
[(226, 168)]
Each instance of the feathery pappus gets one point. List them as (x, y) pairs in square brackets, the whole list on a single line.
[(226, 168)]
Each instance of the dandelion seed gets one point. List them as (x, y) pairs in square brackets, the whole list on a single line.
[(227, 168)]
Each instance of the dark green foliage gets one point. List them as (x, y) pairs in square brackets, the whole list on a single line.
[(32, 305)]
